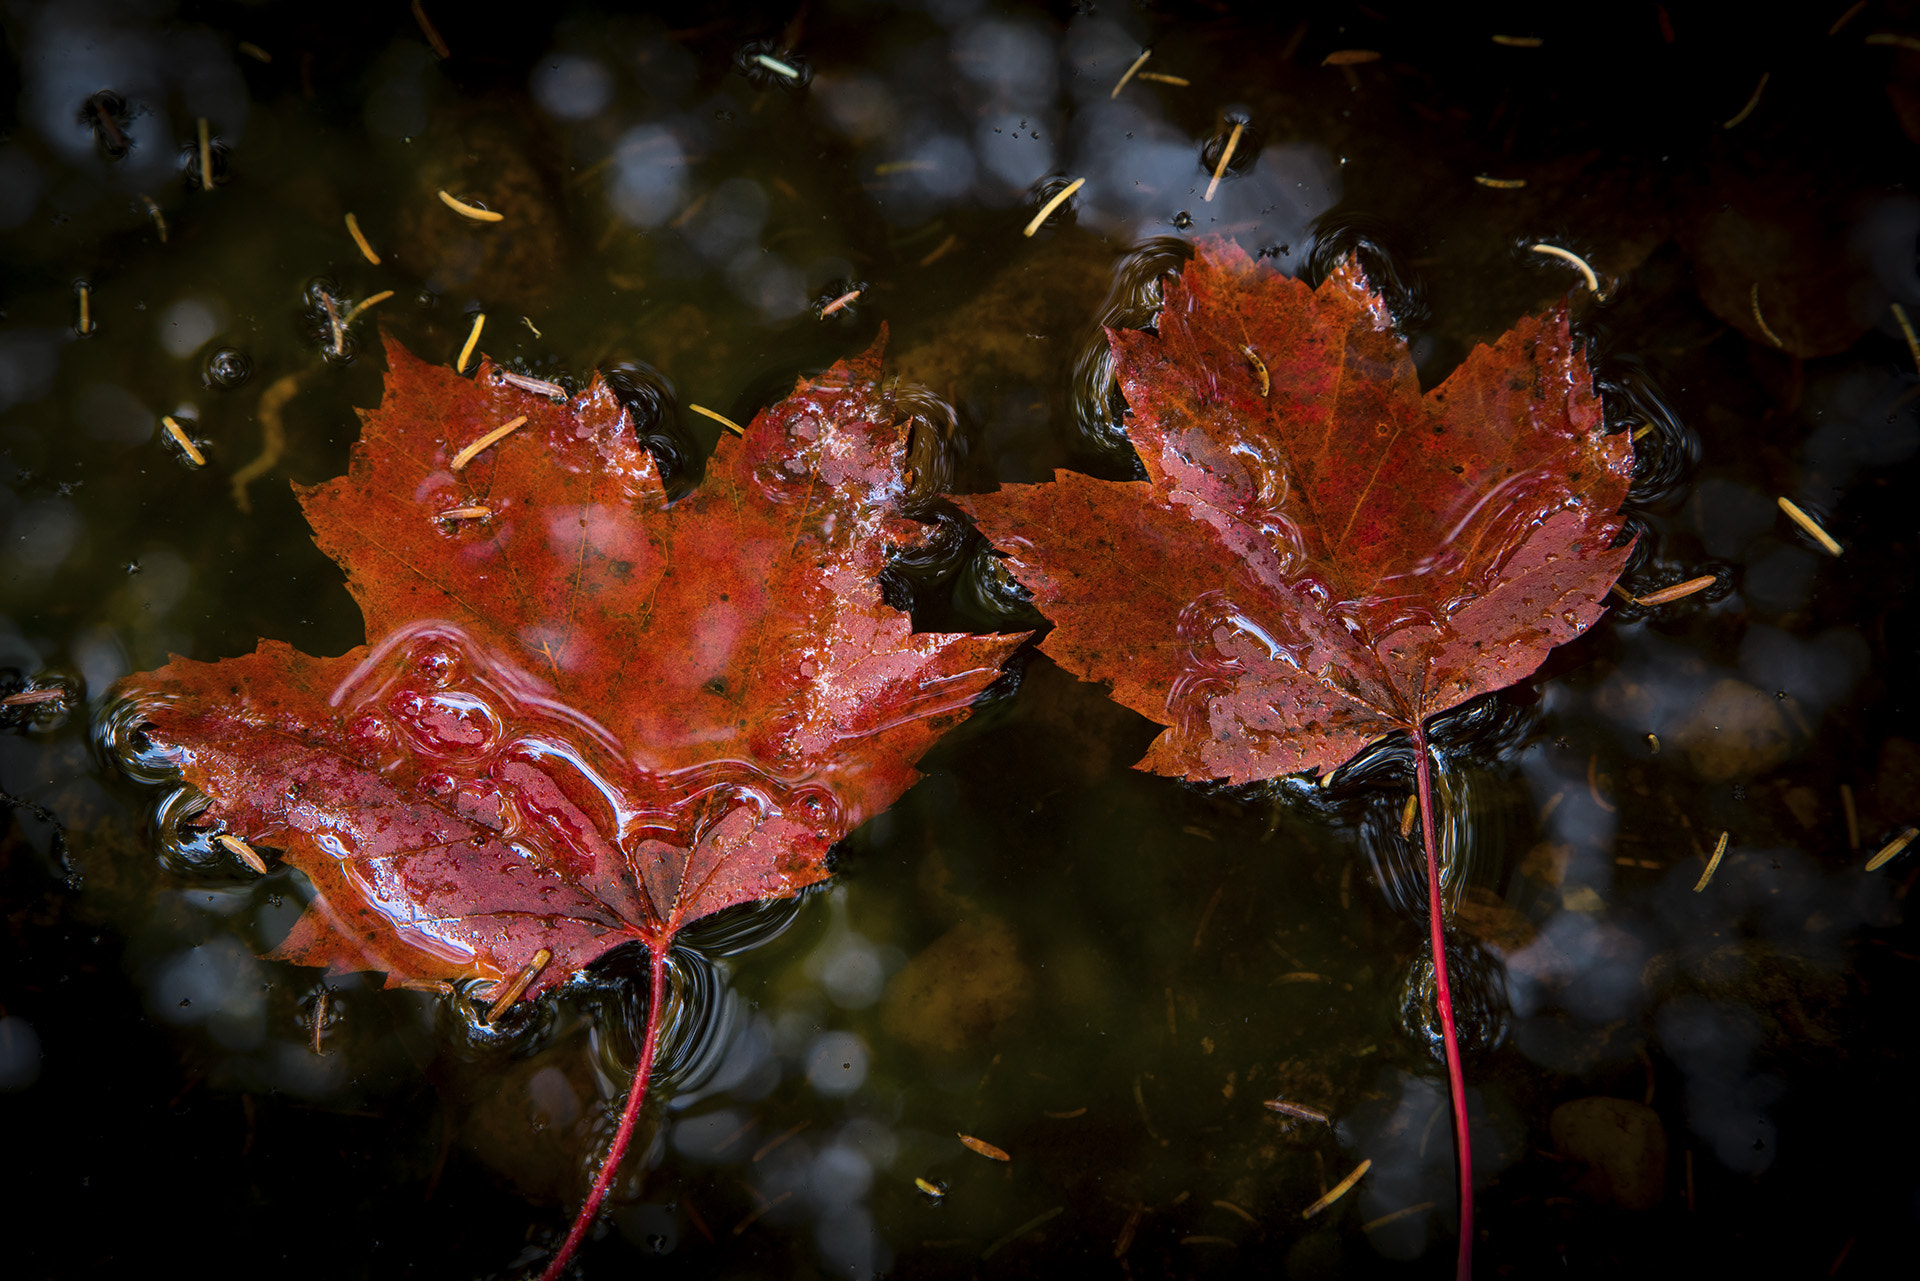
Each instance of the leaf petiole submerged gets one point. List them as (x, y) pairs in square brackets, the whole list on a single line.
[(629, 1114), (1443, 998)]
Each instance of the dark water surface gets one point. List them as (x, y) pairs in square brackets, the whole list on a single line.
[(1104, 973)]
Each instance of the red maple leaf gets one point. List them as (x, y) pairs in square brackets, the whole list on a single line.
[(1322, 555), (585, 718)]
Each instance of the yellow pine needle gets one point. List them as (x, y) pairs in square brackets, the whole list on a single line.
[(473, 340), (494, 437), (474, 212), (1060, 197)]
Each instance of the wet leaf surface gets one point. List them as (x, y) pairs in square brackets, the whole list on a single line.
[(586, 718), (1321, 554)]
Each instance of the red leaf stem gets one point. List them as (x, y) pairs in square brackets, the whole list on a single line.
[(636, 1096), (1456, 1079)]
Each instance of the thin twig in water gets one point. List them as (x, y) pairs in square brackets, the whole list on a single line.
[(1144, 55)]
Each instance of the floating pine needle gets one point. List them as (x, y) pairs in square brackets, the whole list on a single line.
[(52, 694), (1713, 864), (1022, 1230), (254, 51), (1060, 197), (1259, 369), (1555, 251), (1298, 1110), (839, 303), (1129, 74), (474, 212), (1752, 103), (984, 1148), (180, 438), (1500, 184), (932, 1189), (776, 66), (242, 851), (159, 219), (320, 1022), (1161, 77), (1897, 41), (86, 307), (1892, 848), (206, 157), (1338, 1190), (473, 340), (1809, 524), (1852, 816), (1405, 1212), (431, 32), (528, 322), (1906, 328), (1226, 158), (1519, 42), (1753, 301), (1350, 57), (1852, 12), (1644, 429), (360, 239), (476, 512), (1066, 1116), (371, 301), (1667, 595), (538, 386), (521, 982), (1408, 814), (722, 419), (494, 437)]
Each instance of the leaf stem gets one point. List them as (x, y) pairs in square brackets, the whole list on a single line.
[(636, 1095), (1456, 1079)]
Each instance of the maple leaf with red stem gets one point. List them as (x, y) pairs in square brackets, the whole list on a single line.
[(585, 718), (1321, 555)]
